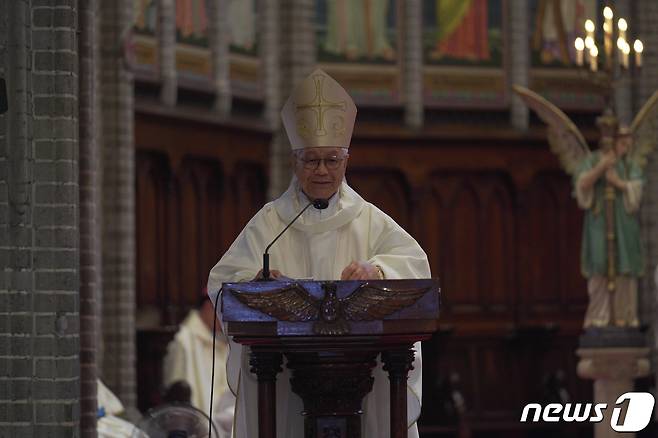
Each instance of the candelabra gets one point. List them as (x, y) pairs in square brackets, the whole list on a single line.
[(604, 68)]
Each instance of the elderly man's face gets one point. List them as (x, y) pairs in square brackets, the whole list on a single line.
[(320, 170)]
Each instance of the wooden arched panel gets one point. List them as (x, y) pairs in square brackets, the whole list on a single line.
[(463, 246), (540, 264), (152, 178), (250, 189), (498, 221), (576, 285), (386, 189), (199, 183), (438, 230)]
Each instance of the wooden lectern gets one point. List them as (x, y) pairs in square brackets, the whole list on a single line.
[(331, 333)]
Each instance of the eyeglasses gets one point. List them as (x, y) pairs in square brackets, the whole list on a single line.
[(331, 163)]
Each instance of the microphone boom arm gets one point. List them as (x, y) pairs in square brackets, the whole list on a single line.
[(266, 256)]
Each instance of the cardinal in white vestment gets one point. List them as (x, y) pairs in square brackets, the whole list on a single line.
[(349, 240)]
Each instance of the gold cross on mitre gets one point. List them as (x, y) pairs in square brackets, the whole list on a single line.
[(319, 113), (320, 105)]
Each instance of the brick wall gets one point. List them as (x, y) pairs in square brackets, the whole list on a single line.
[(39, 333)]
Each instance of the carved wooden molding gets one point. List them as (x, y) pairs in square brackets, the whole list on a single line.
[(331, 314)]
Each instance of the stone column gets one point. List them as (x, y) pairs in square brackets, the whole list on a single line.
[(412, 63), (118, 193), (296, 55), (167, 51), (90, 280), (218, 32), (519, 59), (613, 371), (269, 44), (646, 23)]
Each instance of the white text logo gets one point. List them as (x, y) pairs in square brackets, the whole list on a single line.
[(638, 412)]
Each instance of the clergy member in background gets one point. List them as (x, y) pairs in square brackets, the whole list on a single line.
[(109, 424), (189, 360), (350, 240)]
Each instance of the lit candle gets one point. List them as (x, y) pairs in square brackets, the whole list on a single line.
[(593, 53), (638, 48), (580, 50), (627, 51), (607, 29), (621, 43), (589, 43), (589, 27), (623, 26)]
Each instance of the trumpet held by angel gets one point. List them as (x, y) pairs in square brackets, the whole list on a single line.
[(608, 185)]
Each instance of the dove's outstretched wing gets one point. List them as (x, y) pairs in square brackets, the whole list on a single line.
[(645, 130), (291, 303), (368, 302), (566, 140)]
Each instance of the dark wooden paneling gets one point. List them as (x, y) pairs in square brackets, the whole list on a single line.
[(502, 231), (388, 190), (197, 185), (495, 216), (196, 189)]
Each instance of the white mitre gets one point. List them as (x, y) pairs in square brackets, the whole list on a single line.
[(319, 113)]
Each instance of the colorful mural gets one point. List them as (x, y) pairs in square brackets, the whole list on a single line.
[(357, 44), (146, 16), (463, 32), (553, 27), (192, 22), (464, 52), (350, 31), (242, 25)]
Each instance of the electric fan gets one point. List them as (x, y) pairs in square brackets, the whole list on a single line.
[(174, 421)]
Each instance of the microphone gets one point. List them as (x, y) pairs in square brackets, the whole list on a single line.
[(320, 204)]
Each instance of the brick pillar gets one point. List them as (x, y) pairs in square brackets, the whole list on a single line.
[(269, 44), (167, 51), (218, 31), (646, 23), (39, 336), (118, 192), (90, 281), (296, 55), (519, 55), (412, 63)]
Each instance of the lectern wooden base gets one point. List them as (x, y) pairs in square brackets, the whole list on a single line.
[(331, 359)]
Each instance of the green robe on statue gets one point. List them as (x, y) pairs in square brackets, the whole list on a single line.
[(629, 262)]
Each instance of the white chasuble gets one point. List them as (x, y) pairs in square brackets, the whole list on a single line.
[(318, 246)]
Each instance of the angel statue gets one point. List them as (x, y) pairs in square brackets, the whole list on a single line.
[(608, 186)]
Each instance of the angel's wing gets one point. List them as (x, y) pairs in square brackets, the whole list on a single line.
[(291, 303), (566, 140), (645, 131), (369, 302)]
